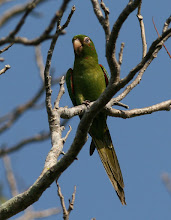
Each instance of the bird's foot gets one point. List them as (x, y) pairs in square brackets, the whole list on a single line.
[(86, 103)]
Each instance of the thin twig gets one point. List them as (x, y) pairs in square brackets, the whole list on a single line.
[(10, 175), (5, 69), (66, 136), (6, 48), (16, 10), (66, 212), (103, 21), (39, 214), (44, 36), (69, 18), (111, 44), (39, 61), (21, 22), (121, 54), (61, 92), (159, 36), (24, 142), (144, 63), (16, 113), (71, 202), (143, 37), (163, 106)]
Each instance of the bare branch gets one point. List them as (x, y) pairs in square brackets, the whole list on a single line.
[(159, 36), (10, 175), (166, 24), (71, 203), (61, 92), (151, 54), (69, 18), (9, 119), (49, 174), (121, 54), (4, 1), (39, 61), (24, 142), (66, 212), (67, 113), (66, 136), (6, 48), (11, 13), (2, 59), (15, 11), (16, 113), (25, 41), (45, 35), (111, 44), (62, 201), (39, 214), (105, 9), (163, 106), (21, 22), (103, 21), (4, 69), (143, 37)]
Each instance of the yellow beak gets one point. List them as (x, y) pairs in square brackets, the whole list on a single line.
[(77, 46)]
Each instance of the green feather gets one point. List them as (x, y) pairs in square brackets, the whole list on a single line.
[(87, 81)]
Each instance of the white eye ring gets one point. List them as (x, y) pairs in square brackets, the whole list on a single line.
[(87, 40)]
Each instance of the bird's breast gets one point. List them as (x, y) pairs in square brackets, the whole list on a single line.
[(89, 83)]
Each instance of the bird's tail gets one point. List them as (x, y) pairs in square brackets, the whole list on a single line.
[(110, 162)]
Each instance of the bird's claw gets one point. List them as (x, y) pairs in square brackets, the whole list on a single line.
[(86, 103)]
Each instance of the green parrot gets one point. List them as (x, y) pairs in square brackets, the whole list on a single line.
[(86, 82)]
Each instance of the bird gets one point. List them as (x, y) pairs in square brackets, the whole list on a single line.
[(86, 82)]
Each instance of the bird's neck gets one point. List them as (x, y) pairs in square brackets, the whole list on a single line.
[(85, 62)]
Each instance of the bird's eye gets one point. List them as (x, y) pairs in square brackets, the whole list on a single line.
[(87, 40)]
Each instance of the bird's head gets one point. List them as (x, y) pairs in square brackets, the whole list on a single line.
[(83, 46)]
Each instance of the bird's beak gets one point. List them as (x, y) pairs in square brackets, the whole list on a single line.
[(77, 46)]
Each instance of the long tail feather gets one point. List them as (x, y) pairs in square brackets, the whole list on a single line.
[(110, 162)]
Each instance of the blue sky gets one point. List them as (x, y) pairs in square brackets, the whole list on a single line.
[(142, 143)]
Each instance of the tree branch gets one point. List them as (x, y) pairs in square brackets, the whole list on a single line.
[(66, 212), (103, 21), (10, 175), (163, 106), (39, 61), (22, 21), (49, 174), (142, 28), (24, 142), (4, 69), (111, 44), (15, 11), (39, 214)]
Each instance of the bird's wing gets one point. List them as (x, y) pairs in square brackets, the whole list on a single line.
[(106, 75), (70, 86)]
